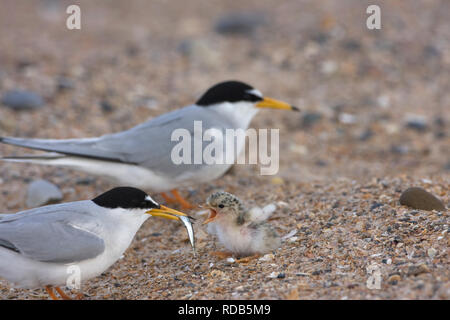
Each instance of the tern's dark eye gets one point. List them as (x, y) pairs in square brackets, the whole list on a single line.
[(221, 206), (252, 97)]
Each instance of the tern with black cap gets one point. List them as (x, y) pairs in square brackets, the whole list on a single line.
[(141, 156), (38, 246)]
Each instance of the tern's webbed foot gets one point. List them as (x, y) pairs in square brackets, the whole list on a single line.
[(51, 293), (63, 295)]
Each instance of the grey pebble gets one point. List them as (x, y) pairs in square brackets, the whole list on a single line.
[(42, 192), (242, 23), (64, 83), (22, 100), (417, 123), (310, 118)]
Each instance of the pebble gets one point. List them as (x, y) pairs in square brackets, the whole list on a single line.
[(63, 84), (217, 274), (320, 38), (394, 279), (384, 101), (310, 118), (418, 269), (200, 52), (417, 123), (375, 205), (432, 252), (42, 192), (329, 67), (399, 149), (22, 100), (230, 260), (347, 118), (366, 135), (447, 166), (351, 45), (239, 23), (277, 180), (419, 198), (106, 106), (267, 257)]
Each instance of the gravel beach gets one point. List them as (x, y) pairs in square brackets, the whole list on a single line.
[(374, 122)]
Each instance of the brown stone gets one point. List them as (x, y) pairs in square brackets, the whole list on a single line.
[(419, 198)]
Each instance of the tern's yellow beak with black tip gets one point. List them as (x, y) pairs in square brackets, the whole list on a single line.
[(167, 213), (275, 104)]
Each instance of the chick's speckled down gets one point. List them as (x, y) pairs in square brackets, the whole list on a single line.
[(241, 231)]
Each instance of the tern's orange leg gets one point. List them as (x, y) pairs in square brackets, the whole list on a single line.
[(221, 254), (50, 292), (177, 198), (64, 296), (183, 202), (167, 198), (248, 259)]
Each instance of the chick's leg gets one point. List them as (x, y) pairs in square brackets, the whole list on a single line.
[(221, 254), (248, 259)]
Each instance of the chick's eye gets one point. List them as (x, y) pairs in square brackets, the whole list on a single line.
[(221, 206)]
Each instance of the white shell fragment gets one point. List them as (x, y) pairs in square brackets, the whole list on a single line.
[(289, 235)]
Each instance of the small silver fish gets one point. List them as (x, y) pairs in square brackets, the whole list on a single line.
[(190, 230)]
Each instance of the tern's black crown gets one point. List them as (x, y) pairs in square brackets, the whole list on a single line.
[(126, 198), (228, 91)]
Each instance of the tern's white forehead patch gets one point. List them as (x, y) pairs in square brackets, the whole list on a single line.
[(148, 198), (255, 92)]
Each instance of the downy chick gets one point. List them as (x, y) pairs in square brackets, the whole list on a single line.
[(243, 232)]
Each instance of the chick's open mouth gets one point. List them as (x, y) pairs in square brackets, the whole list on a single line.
[(212, 216)]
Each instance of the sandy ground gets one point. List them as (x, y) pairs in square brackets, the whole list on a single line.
[(345, 159)]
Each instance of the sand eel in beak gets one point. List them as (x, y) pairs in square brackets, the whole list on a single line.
[(245, 233), (39, 246), (142, 156)]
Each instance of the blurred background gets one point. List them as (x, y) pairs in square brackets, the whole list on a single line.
[(375, 103)]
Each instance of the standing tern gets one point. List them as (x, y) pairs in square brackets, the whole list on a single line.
[(141, 156), (38, 246)]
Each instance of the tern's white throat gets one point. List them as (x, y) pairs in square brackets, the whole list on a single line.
[(240, 113)]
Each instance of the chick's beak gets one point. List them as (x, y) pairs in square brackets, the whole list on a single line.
[(212, 216), (275, 104), (167, 213)]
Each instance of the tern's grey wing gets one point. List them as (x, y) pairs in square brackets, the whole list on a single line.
[(51, 234), (136, 146), (148, 144)]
